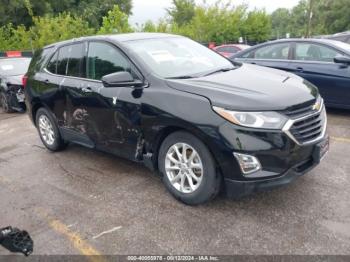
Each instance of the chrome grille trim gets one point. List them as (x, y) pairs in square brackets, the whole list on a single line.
[(288, 128)]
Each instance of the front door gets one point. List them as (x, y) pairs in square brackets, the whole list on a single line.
[(113, 113), (314, 62)]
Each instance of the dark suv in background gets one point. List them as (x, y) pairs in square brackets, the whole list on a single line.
[(181, 109)]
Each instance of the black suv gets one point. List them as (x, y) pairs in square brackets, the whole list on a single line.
[(205, 124)]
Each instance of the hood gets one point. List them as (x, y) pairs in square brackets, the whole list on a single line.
[(14, 80), (250, 88)]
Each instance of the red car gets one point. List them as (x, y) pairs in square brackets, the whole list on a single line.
[(229, 50)]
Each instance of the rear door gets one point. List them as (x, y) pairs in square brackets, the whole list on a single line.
[(49, 85), (314, 62), (273, 55), (75, 113)]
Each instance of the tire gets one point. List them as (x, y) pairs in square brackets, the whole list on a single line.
[(209, 179), (51, 138), (5, 104)]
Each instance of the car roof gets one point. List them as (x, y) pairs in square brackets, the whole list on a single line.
[(311, 40), (116, 38), (329, 42)]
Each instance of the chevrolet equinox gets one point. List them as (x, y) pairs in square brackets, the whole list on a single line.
[(204, 124)]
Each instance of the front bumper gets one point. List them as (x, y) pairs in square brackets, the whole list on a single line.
[(237, 189)]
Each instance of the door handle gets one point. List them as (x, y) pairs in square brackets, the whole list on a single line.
[(300, 69), (86, 89)]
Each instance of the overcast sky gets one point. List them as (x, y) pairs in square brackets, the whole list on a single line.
[(154, 9)]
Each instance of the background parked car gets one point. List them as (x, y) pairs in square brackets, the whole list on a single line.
[(323, 62), (343, 37), (229, 50), (13, 66)]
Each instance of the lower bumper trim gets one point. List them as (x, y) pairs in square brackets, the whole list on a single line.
[(238, 189)]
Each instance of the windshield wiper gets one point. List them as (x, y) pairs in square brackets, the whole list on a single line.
[(226, 69), (221, 70), (181, 77)]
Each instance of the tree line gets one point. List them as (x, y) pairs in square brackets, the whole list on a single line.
[(31, 24)]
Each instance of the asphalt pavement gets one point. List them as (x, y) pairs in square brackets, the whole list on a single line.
[(80, 201)]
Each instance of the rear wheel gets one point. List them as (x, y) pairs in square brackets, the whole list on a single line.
[(48, 130), (188, 169), (5, 103)]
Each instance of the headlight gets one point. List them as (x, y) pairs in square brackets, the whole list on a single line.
[(265, 120)]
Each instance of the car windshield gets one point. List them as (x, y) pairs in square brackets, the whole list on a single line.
[(178, 57), (14, 66)]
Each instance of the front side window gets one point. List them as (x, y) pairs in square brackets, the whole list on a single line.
[(277, 51), (104, 59), (313, 52)]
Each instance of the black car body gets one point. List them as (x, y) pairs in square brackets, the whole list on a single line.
[(325, 63), (12, 70), (141, 115)]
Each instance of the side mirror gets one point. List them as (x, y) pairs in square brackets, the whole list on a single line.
[(342, 60), (121, 79)]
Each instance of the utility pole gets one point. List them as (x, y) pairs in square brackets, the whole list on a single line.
[(309, 18)]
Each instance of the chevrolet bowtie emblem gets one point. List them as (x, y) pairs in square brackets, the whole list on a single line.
[(317, 106)]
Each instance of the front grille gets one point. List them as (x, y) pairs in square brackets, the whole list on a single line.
[(310, 127), (300, 111)]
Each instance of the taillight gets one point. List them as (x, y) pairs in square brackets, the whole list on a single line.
[(24, 81), (14, 53)]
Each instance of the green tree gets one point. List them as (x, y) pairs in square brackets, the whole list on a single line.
[(149, 26), (47, 29), (14, 38), (17, 13), (115, 22), (93, 11), (218, 23), (280, 23), (333, 15), (182, 11), (257, 26)]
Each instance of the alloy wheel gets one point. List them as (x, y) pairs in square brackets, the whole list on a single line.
[(184, 168), (46, 130)]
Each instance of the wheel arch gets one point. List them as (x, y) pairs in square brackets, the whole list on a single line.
[(168, 130)]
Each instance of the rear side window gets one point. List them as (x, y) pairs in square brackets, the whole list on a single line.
[(76, 61), (63, 57), (52, 65), (68, 60), (277, 51), (104, 59)]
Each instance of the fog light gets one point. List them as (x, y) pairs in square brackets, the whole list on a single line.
[(249, 164)]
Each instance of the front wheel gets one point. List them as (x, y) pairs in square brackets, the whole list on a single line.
[(48, 131), (188, 169)]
